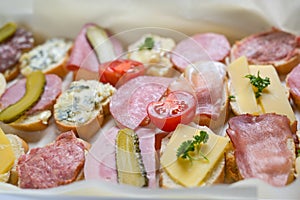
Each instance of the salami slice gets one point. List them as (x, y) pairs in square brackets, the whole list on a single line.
[(56, 164), (17, 91), (11, 50), (101, 160), (9, 56), (129, 104), (22, 39), (267, 47), (200, 47)]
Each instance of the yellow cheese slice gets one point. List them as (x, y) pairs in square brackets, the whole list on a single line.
[(243, 92), (184, 172), (273, 98), (7, 156)]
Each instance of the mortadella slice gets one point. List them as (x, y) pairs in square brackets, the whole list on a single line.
[(101, 160), (16, 92), (129, 104), (200, 47), (263, 147)]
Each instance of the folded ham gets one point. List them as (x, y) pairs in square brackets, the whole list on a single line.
[(264, 147), (101, 160)]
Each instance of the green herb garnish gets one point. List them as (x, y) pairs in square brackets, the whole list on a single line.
[(298, 152), (192, 146), (258, 82), (148, 44), (231, 98)]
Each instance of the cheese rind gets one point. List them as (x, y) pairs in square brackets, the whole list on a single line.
[(241, 87), (273, 98), (183, 171), (7, 156)]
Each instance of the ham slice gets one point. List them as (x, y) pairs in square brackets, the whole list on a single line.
[(129, 104), (207, 81), (17, 91), (82, 54), (101, 160), (261, 147)]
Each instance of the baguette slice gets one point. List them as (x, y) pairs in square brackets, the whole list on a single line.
[(82, 107), (50, 57), (20, 147)]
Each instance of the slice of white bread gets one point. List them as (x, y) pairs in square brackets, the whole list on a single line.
[(19, 147), (86, 116), (2, 84), (34, 122), (11, 73), (215, 176), (39, 58)]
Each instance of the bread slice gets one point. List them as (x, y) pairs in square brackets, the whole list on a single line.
[(92, 119), (215, 176), (19, 147), (56, 66), (35, 122), (12, 73), (2, 84)]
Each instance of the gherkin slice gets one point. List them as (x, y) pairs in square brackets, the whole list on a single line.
[(35, 84), (7, 30), (130, 166)]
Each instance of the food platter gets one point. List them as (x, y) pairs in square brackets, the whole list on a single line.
[(175, 19)]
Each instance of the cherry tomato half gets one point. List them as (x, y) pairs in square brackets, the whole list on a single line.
[(120, 71), (177, 107)]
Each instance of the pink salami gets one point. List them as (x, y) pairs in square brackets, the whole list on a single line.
[(129, 104), (56, 164), (200, 47), (261, 147), (101, 160), (17, 91), (267, 47)]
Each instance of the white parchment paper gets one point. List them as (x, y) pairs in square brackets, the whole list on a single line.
[(234, 18)]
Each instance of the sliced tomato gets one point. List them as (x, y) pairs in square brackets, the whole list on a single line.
[(177, 107), (120, 71)]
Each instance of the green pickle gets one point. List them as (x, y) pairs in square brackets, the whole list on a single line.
[(35, 84), (130, 167), (101, 43), (7, 30)]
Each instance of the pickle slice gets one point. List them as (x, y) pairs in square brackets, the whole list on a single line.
[(35, 84), (101, 43), (7, 30), (130, 166)]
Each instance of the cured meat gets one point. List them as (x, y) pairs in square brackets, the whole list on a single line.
[(293, 82), (56, 164), (82, 54), (261, 147), (9, 56), (129, 104), (17, 91), (10, 51), (206, 80), (101, 161), (200, 47), (267, 47)]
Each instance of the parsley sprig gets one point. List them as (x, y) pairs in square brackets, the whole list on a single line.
[(192, 146), (298, 153), (258, 82), (148, 44)]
